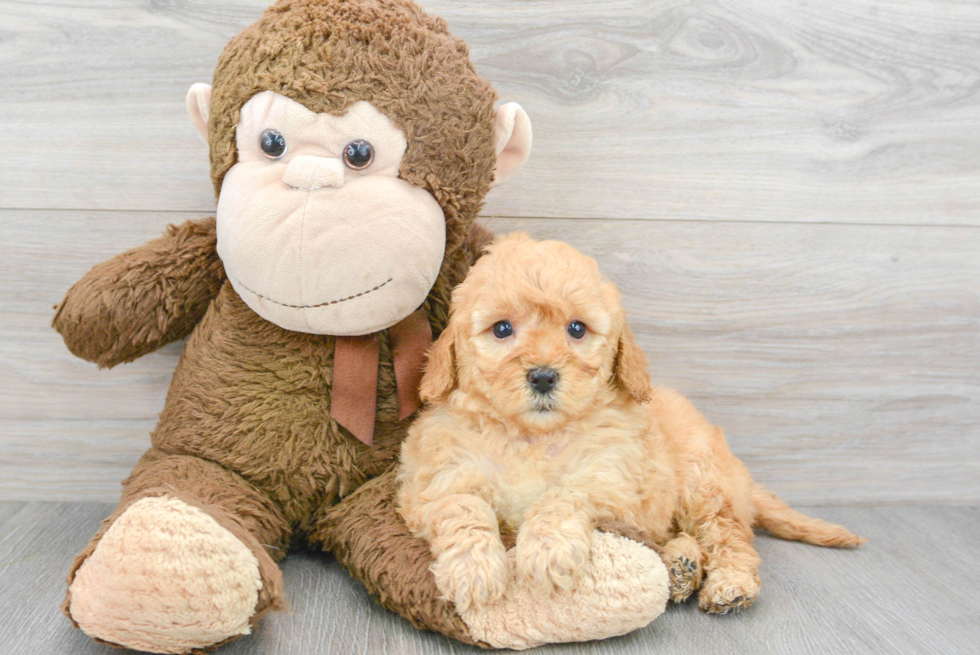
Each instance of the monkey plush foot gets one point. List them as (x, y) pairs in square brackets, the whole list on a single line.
[(623, 587), (166, 578)]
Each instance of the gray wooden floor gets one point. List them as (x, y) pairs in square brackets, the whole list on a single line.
[(912, 589)]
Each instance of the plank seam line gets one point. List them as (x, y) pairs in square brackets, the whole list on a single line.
[(725, 221), (483, 217)]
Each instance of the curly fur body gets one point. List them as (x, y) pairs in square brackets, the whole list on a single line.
[(492, 456)]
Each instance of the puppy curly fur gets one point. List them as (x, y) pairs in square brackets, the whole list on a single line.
[(492, 455)]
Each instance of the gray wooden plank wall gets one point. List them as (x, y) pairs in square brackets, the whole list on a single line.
[(788, 194)]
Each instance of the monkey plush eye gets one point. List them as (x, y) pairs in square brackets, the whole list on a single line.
[(576, 329), (502, 329), (358, 154), (273, 144)]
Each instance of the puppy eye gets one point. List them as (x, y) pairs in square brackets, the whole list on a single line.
[(502, 329), (358, 154), (273, 144), (576, 329)]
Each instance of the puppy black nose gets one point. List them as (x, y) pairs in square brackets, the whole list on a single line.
[(542, 379)]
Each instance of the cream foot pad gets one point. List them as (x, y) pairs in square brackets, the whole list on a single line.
[(623, 588), (166, 578)]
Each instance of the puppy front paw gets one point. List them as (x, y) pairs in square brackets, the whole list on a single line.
[(728, 590), (472, 575), (550, 560)]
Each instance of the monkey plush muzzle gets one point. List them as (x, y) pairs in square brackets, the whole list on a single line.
[(315, 242)]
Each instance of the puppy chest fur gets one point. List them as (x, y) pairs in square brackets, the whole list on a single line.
[(605, 456)]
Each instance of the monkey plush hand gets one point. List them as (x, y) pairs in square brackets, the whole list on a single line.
[(352, 144)]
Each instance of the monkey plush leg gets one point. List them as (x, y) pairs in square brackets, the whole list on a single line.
[(624, 587), (144, 298), (682, 555), (182, 563)]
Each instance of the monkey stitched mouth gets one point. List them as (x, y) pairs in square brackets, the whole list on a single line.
[(322, 304)]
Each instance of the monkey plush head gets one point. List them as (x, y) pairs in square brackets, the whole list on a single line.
[(352, 144)]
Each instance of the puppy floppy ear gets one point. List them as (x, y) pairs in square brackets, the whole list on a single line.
[(631, 372), (440, 368)]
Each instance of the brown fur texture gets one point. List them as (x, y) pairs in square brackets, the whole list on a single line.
[(494, 454), (246, 433), (144, 298)]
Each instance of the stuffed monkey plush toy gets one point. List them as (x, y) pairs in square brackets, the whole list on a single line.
[(352, 144)]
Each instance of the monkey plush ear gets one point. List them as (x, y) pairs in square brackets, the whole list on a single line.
[(440, 369), (631, 367), (199, 107), (512, 137)]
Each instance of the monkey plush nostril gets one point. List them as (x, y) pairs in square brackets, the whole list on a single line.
[(309, 172), (542, 380)]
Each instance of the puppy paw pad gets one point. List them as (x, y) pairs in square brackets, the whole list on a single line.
[(685, 577), (728, 591)]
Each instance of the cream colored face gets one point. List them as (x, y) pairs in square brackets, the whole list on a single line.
[(311, 241), (557, 314)]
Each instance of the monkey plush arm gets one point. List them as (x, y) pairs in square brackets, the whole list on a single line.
[(144, 298)]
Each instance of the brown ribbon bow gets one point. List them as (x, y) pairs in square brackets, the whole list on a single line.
[(353, 402)]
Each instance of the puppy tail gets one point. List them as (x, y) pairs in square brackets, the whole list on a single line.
[(779, 519)]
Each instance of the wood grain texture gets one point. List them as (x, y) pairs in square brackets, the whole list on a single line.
[(791, 172), (835, 111), (908, 592), (842, 361)]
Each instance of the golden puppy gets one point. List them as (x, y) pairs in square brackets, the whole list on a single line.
[(543, 421)]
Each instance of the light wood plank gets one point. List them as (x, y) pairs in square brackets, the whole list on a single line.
[(907, 592), (842, 361), (835, 111), (71, 460), (42, 254)]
